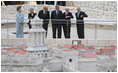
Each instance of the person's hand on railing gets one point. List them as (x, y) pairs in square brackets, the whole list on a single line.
[(81, 16), (67, 17), (30, 18)]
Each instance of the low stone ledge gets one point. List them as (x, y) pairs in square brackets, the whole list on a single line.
[(13, 42), (58, 42)]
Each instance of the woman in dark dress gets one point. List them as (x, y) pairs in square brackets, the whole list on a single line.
[(31, 15)]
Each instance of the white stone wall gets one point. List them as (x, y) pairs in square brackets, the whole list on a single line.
[(99, 9), (94, 9)]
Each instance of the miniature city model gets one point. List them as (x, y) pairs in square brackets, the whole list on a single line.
[(37, 57)]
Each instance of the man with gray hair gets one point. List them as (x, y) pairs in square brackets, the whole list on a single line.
[(56, 15), (80, 23), (45, 15), (67, 23)]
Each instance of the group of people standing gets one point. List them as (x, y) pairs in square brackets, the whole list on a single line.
[(59, 20)]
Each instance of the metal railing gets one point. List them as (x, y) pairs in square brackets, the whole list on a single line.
[(96, 27)]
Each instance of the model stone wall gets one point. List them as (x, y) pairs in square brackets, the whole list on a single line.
[(94, 9)]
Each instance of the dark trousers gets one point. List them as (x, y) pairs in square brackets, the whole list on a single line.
[(29, 23), (56, 28), (66, 29), (45, 26), (80, 30)]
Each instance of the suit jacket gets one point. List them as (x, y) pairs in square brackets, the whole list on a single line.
[(81, 13), (43, 16), (54, 16), (30, 16), (19, 18), (79, 18), (67, 19)]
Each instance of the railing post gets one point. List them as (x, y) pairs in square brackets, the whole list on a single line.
[(95, 30), (67, 28), (7, 26)]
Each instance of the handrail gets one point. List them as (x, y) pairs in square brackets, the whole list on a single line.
[(98, 20), (106, 22)]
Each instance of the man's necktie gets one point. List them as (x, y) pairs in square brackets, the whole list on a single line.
[(57, 13), (66, 14), (45, 14)]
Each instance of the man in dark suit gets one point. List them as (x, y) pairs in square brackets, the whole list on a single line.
[(80, 22), (67, 22), (31, 15), (56, 15), (45, 15)]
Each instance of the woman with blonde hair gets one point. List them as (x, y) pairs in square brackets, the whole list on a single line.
[(19, 23)]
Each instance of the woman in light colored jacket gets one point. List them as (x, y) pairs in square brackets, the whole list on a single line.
[(19, 23)]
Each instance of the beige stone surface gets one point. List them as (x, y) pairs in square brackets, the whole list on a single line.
[(58, 42), (13, 42), (94, 9)]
